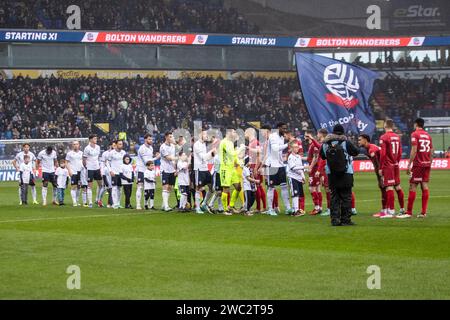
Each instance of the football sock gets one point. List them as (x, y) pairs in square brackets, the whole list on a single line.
[(44, 194), (319, 200), (89, 194), (270, 197), (425, 197), (383, 199), (139, 194), (401, 198), (73, 193), (302, 203), (234, 197), (198, 199), (295, 203), (241, 196), (285, 196), (165, 198), (224, 198), (275, 198), (390, 200), (411, 199)]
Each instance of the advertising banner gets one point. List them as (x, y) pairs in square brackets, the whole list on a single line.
[(155, 38), (367, 166)]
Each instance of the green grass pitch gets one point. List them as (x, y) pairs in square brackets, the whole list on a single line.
[(127, 254)]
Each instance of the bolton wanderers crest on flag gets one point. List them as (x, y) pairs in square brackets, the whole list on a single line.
[(336, 92)]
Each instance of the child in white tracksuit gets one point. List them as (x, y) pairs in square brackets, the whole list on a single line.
[(249, 184), (62, 174), (149, 186), (183, 179), (296, 177), (127, 178), (26, 178)]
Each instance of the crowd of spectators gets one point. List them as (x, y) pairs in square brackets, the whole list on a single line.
[(134, 15), (403, 63), (57, 108)]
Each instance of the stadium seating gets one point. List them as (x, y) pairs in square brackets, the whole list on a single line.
[(137, 15), (54, 108)]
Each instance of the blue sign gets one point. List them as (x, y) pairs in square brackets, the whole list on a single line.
[(336, 92), (40, 36)]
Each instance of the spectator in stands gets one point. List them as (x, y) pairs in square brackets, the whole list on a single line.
[(139, 15), (54, 108)]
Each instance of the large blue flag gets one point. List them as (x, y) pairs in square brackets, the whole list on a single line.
[(336, 92)]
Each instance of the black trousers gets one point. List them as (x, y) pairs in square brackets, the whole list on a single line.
[(127, 188), (249, 199), (24, 193), (341, 205)]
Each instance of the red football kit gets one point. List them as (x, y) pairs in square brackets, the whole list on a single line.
[(421, 166), (390, 155), (313, 150), (373, 152)]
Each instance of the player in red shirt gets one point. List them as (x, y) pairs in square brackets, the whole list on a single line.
[(254, 152), (390, 155), (314, 180), (419, 167), (373, 152), (323, 178)]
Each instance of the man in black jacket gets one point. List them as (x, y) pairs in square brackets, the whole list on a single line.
[(338, 151)]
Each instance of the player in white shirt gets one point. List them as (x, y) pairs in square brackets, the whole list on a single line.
[(277, 168), (62, 174), (144, 154), (47, 160), (183, 179), (113, 164), (18, 160), (127, 179), (91, 162), (296, 176), (149, 185), (74, 163), (168, 168), (203, 177), (249, 184), (26, 178), (107, 180)]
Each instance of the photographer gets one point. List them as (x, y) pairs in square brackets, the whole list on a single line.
[(338, 151)]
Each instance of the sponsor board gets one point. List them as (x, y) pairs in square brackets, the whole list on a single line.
[(120, 74), (7, 171), (216, 40), (416, 16), (359, 42), (366, 165), (437, 121)]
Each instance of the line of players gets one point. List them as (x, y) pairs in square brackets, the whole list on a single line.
[(386, 159), (244, 169)]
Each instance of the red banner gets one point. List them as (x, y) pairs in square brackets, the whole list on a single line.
[(142, 38), (359, 42), (366, 165)]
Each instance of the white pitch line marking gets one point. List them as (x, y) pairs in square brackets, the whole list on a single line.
[(72, 217), (130, 214)]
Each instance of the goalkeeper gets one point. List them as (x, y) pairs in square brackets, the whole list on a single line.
[(228, 162)]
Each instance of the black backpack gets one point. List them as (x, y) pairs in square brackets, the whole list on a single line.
[(336, 159)]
